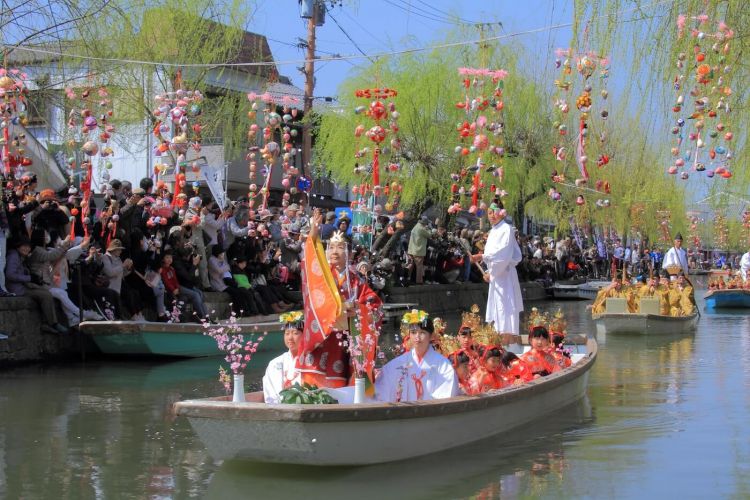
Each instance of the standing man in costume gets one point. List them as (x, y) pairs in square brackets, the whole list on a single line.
[(339, 306), (745, 266), (501, 254), (676, 256)]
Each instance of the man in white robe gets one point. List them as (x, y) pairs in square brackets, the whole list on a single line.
[(745, 266), (281, 372), (676, 256), (501, 254), (418, 375)]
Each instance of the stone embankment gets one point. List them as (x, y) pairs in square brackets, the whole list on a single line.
[(20, 318)]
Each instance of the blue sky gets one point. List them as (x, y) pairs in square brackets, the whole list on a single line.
[(383, 25)]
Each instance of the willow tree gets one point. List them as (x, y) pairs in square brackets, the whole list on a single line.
[(648, 39), (429, 86), (141, 49)]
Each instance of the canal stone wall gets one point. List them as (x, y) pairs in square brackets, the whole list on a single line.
[(21, 321), (456, 297)]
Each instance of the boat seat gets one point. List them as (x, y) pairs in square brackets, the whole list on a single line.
[(616, 305), (575, 358), (650, 305)]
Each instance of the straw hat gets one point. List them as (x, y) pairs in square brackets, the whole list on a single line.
[(115, 245)]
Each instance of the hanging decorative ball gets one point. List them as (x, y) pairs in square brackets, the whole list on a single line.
[(376, 134), (377, 110), (304, 184), (684, 176), (672, 170), (90, 148)]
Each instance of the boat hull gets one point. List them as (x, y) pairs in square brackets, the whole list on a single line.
[(727, 299), (185, 340), (646, 324), (335, 435), (578, 291)]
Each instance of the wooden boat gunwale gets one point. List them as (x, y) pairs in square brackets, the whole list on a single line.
[(222, 408), (726, 291), (657, 317), (120, 327)]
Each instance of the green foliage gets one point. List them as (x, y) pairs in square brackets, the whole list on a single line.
[(306, 394), (429, 87), (645, 53)]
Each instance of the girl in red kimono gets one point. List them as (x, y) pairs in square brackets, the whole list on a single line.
[(491, 373), (540, 361), (562, 358), (462, 364), (516, 369)]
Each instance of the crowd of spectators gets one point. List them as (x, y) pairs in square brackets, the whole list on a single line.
[(139, 256)]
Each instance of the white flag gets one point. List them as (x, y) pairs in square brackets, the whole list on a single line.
[(215, 181)]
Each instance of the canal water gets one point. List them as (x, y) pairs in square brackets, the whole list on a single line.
[(664, 417)]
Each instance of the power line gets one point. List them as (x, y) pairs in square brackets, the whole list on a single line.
[(445, 13), (419, 12), (331, 58), (349, 37)]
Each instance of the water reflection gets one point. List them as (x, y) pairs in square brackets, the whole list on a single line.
[(663, 414)]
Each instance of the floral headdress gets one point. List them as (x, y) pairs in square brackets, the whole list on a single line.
[(415, 318), (292, 319)]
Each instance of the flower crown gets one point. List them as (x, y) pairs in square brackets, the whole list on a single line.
[(291, 317), (415, 317)]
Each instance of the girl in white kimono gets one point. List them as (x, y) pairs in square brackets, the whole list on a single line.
[(501, 254), (281, 372), (419, 374)]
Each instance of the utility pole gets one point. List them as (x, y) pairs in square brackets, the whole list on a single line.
[(309, 91)]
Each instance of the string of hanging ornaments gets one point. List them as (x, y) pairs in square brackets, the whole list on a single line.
[(177, 131), (703, 96), (266, 153), (481, 137), (375, 144), (588, 135)]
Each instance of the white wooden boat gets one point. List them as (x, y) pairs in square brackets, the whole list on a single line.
[(590, 289), (647, 324), (732, 298), (575, 290), (567, 289), (369, 433)]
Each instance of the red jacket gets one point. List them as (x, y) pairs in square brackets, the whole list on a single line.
[(169, 277)]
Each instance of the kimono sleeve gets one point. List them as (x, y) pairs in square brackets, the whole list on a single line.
[(273, 381)]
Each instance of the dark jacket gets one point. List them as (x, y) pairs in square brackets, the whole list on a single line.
[(16, 273)]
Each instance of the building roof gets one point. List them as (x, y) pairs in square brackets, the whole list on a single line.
[(287, 94), (254, 48)]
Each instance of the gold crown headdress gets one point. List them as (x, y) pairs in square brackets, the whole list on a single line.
[(449, 345), (487, 336), (338, 237), (558, 324), (537, 318), (471, 319)]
